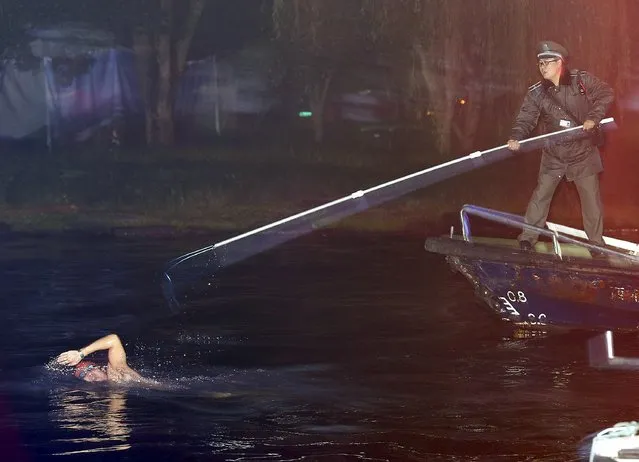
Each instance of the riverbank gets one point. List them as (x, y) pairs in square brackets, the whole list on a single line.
[(236, 188)]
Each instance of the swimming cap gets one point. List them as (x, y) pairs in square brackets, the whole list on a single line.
[(82, 368)]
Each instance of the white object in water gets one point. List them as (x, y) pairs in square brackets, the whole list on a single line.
[(617, 443)]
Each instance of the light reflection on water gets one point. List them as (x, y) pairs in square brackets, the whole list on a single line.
[(97, 421)]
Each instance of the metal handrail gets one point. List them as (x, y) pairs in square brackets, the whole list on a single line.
[(517, 221)]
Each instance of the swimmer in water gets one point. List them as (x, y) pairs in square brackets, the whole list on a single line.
[(117, 370)]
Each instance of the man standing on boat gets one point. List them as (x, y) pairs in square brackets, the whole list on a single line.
[(564, 99)]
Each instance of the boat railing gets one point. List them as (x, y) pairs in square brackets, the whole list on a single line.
[(558, 233)]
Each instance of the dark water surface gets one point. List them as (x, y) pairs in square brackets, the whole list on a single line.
[(333, 347)]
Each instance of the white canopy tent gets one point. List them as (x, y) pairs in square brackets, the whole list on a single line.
[(68, 81)]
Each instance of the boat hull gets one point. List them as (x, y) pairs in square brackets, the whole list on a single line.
[(542, 291)]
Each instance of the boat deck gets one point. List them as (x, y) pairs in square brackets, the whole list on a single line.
[(568, 250)]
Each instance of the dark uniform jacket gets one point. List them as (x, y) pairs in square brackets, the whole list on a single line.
[(583, 94)]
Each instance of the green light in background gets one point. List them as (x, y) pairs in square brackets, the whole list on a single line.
[(305, 114)]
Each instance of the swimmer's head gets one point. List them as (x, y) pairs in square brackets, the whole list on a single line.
[(89, 372)]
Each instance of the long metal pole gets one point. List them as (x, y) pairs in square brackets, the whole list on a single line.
[(316, 217)]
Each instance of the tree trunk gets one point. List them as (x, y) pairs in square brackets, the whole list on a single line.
[(318, 105), (196, 7), (318, 122), (473, 78), (465, 127), (440, 98), (164, 105), (143, 52)]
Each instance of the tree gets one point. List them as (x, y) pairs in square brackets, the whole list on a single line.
[(435, 49), (484, 51), (167, 38), (318, 37)]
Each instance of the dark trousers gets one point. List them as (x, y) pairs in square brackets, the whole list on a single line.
[(591, 206)]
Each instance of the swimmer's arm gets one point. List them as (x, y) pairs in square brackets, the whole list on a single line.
[(111, 342)]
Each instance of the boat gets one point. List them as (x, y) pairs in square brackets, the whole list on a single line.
[(565, 282)]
